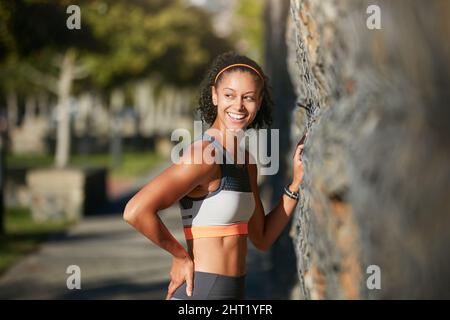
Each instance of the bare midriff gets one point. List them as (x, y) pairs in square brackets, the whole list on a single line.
[(225, 255), (221, 255)]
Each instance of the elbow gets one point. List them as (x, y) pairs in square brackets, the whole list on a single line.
[(130, 214)]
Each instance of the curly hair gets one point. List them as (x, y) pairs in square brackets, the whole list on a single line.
[(208, 111)]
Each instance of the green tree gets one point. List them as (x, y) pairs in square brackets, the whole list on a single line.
[(151, 37), (35, 38), (248, 32), (118, 41)]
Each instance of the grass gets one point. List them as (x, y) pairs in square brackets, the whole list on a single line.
[(133, 165), (23, 235)]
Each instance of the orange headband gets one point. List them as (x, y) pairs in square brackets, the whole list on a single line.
[(238, 65)]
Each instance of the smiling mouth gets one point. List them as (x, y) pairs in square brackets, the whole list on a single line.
[(236, 116)]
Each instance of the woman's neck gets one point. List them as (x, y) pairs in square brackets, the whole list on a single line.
[(229, 139)]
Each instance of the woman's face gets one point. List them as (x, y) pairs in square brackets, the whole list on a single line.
[(238, 99)]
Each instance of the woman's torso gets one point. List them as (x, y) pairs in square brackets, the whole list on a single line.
[(222, 255)]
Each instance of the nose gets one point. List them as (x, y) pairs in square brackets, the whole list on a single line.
[(241, 103)]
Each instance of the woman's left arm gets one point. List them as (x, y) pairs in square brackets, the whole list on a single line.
[(264, 230)]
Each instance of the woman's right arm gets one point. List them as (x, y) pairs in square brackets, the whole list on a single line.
[(160, 193)]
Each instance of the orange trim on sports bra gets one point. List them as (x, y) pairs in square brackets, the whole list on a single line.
[(215, 231)]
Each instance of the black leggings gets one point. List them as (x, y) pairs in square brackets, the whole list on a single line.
[(213, 286)]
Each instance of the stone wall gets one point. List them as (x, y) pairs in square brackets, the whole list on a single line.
[(377, 173)]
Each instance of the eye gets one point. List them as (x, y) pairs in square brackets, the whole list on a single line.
[(228, 95), (249, 98)]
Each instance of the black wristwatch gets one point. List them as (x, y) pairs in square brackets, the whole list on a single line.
[(290, 194)]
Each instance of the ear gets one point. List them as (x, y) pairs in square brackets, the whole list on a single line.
[(214, 95)]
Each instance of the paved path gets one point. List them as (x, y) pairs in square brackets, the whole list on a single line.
[(116, 262)]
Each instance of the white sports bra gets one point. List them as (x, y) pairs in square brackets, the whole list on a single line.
[(225, 211)]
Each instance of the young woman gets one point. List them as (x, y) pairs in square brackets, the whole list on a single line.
[(219, 201)]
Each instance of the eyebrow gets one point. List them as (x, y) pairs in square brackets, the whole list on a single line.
[(244, 92)]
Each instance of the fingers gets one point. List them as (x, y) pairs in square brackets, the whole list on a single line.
[(298, 151), (302, 140), (170, 291), (173, 287), (189, 284)]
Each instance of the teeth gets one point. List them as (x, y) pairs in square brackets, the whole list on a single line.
[(236, 116)]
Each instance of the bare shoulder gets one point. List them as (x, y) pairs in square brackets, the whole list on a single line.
[(174, 182), (198, 156)]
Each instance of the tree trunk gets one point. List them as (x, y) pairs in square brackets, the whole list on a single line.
[(12, 113), (63, 128), (30, 108), (117, 102), (42, 104), (13, 109), (2, 179)]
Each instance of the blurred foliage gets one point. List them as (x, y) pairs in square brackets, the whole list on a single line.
[(143, 37), (249, 29), (119, 40)]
